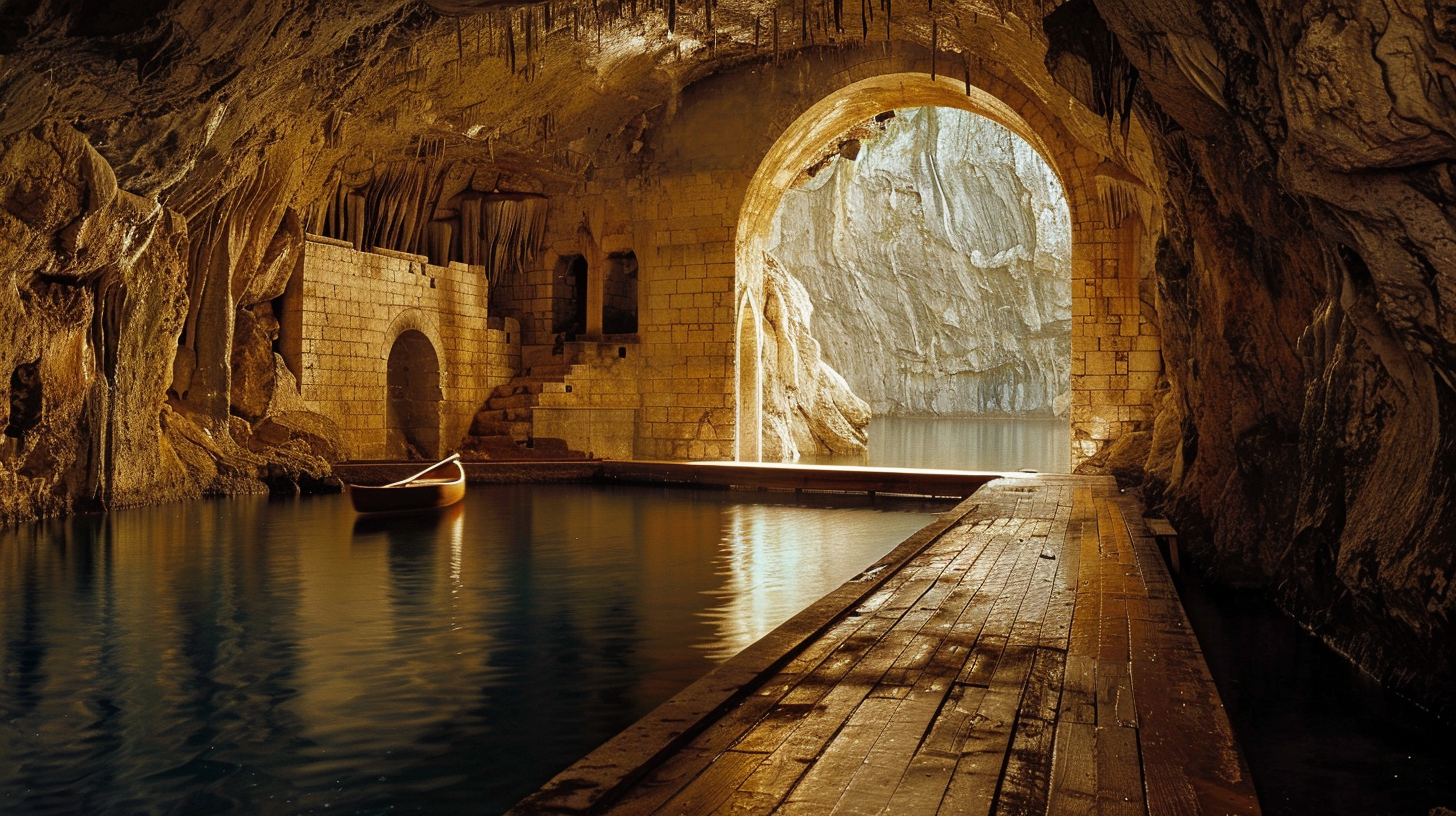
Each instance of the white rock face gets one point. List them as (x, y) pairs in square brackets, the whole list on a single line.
[(806, 404), (939, 266)]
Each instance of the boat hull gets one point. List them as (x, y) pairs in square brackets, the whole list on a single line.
[(423, 494)]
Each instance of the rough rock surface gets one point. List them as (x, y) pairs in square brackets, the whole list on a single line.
[(93, 300), (807, 406), (1306, 287), (947, 239)]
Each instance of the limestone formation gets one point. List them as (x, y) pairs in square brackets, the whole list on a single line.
[(808, 407), (948, 239)]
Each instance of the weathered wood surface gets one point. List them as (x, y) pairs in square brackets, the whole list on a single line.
[(800, 477), (1031, 658)]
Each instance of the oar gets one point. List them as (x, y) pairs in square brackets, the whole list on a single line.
[(447, 460)]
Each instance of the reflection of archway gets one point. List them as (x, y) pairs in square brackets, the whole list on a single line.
[(412, 407), (749, 386), (818, 129)]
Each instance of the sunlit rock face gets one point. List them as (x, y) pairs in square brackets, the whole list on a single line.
[(939, 265), (807, 406)]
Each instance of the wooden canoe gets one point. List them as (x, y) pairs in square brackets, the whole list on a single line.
[(415, 493)]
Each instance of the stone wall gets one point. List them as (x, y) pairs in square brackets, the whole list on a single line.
[(350, 308), (696, 199)]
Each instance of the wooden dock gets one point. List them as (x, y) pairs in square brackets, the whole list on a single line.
[(1025, 654), (769, 476)]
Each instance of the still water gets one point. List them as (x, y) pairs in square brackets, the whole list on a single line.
[(964, 443), (1320, 736), (256, 656)]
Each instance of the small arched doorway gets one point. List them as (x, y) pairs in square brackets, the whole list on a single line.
[(412, 407), (568, 313)]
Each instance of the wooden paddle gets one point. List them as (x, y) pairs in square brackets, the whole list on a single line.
[(447, 460)]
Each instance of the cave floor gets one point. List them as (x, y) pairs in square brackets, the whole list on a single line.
[(1028, 654)]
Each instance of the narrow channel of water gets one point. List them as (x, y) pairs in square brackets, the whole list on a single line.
[(1320, 736), (256, 656), (963, 443)]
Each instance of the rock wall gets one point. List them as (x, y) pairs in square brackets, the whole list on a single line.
[(1307, 438), (946, 239), (94, 307), (807, 406)]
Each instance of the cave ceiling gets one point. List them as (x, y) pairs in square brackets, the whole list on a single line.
[(185, 98)]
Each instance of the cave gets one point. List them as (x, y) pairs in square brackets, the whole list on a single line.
[(253, 249)]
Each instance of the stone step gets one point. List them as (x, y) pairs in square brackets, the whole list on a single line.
[(500, 427), (504, 448), (518, 386), (550, 371), (513, 401), (502, 415)]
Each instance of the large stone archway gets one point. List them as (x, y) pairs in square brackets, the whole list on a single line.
[(1115, 356), (693, 196)]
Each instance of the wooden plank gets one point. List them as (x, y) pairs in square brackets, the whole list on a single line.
[(1073, 789), (972, 787), (1119, 773), (1027, 777), (1115, 704), (1079, 690), (874, 782), (823, 784), (713, 786), (1160, 527), (799, 477)]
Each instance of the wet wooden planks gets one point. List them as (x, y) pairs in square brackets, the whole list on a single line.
[(1033, 658)]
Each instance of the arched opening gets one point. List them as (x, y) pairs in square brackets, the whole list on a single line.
[(946, 238), (568, 308), (619, 295), (828, 133), (749, 384), (412, 407)]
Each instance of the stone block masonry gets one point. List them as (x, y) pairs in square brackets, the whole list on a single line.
[(352, 306)]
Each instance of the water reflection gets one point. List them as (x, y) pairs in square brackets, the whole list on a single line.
[(773, 559), (278, 657), (964, 443)]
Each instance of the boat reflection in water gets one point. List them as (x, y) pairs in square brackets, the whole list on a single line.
[(285, 656)]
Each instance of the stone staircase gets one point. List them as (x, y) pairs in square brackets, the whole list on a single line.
[(501, 430)]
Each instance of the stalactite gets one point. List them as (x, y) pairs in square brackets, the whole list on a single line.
[(529, 25), (776, 34), (804, 21), (671, 16), (864, 20), (511, 43), (460, 49), (757, 24), (934, 46)]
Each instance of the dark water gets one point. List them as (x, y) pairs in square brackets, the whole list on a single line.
[(964, 443), (1320, 736), (261, 657)]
